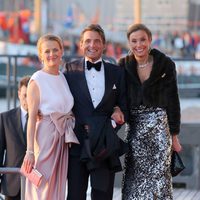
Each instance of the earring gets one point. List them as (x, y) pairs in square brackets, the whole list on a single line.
[(150, 50), (42, 62), (130, 52)]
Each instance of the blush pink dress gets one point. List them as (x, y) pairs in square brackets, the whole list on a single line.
[(53, 135)]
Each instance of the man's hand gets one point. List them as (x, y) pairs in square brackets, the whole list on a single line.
[(39, 115), (118, 116)]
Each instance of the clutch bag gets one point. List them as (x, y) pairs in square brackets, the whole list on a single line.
[(34, 176), (177, 164)]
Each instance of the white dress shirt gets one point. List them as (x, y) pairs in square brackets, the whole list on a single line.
[(96, 82), (23, 117)]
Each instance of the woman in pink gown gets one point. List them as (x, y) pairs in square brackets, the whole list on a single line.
[(49, 138)]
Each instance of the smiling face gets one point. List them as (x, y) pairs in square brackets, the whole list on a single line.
[(139, 43), (92, 45), (50, 53)]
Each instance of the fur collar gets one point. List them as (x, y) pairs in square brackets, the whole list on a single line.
[(159, 68)]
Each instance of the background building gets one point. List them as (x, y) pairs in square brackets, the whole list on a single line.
[(166, 15), (67, 17)]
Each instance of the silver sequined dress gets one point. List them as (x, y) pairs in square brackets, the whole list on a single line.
[(147, 165)]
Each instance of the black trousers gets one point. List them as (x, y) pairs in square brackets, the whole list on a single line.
[(17, 197), (78, 182)]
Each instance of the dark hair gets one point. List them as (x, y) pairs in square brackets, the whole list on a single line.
[(23, 82), (97, 28), (138, 27)]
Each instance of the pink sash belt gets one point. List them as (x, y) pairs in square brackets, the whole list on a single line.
[(64, 123)]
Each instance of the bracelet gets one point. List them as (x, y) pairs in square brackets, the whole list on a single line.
[(29, 152)]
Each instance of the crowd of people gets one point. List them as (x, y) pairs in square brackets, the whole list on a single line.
[(178, 44), (74, 115), (175, 44)]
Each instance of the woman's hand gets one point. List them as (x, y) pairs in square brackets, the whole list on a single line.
[(118, 116), (29, 161), (176, 144)]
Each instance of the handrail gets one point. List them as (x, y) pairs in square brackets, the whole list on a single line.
[(11, 74), (9, 170), (15, 170)]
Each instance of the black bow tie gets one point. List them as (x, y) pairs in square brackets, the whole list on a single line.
[(97, 65)]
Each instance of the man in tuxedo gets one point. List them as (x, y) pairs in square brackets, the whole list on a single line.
[(98, 89), (13, 142)]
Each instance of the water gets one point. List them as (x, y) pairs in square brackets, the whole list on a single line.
[(191, 102), (3, 104)]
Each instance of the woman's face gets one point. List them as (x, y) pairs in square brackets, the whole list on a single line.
[(139, 43), (51, 53)]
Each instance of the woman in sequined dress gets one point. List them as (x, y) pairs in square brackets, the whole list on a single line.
[(154, 118)]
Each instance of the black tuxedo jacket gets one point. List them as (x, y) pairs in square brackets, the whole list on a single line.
[(13, 146), (83, 107)]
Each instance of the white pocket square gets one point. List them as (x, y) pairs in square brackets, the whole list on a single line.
[(163, 75), (114, 87), (114, 125)]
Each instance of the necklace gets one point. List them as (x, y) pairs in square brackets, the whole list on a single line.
[(143, 65), (149, 62)]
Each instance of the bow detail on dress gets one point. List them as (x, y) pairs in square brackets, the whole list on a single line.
[(64, 123)]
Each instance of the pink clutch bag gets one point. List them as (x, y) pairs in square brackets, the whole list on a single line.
[(34, 176)]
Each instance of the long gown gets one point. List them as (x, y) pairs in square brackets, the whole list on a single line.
[(53, 133), (147, 164)]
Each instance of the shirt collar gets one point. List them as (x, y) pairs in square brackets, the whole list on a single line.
[(23, 111)]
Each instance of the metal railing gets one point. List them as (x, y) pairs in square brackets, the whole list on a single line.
[(15, 170), (13, 72), (16, 66)]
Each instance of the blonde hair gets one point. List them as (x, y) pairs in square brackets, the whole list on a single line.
[(49, 37)]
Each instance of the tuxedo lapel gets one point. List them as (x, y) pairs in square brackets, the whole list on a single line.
[(81, 81), (19, 128)]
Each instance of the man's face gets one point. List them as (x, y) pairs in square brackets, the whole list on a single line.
[(22, 97), (92, 45)]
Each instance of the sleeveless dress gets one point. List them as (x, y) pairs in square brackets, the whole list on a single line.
[(147, 164), (53, 133)]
